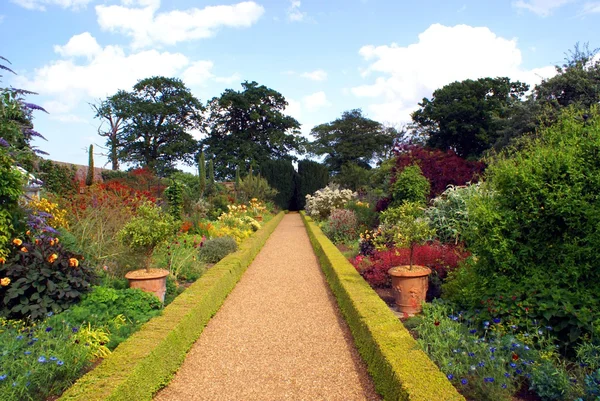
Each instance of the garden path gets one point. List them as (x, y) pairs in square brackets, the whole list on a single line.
[(278, 336)]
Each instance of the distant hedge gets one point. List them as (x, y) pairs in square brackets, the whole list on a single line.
[(312, 176), (281, 175)]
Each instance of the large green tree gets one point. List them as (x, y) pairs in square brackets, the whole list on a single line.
[(352, 139), (468, 117), (158, 118), (249, 127)]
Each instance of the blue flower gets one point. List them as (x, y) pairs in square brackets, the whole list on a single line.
[(27, 352), (74, 329), (486, 323), (42, 359), (492, 357), (514, 327), (450, 376), (513, 365), (481, 364), (49, 313), (48, 329), (473, 331), (488, 379), (19, 337), (2, 377), (497, 320), (504, 385), (518, 371), (506, 374), (526, 348), (60, 363), (549, 328), (471, 354), (53, 358), (464, 381), (492, 349)]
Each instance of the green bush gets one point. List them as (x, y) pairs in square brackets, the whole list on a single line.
[(11, 188), (281, 176), (365, 213), (410, 186), (215, 249), (312, 176), (58, 179), (180, 257), (44, 277), (534, 227), (255, 186)]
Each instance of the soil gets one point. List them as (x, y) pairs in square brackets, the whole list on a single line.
[(143, 273), (278, 336)]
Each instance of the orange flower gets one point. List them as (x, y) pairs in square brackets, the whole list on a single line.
[(4, 282), (73, 262), (51, 242), (28, 233), (37, 241), (17, 242), (2, 260), (56, 240), (52, 258), (24, 250)]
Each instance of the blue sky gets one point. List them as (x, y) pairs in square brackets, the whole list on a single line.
[(324, 56)]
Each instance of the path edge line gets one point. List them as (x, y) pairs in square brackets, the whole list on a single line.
[(399, 368), (148, 360)]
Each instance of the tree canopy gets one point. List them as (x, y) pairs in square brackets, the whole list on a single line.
[(352, 139), (249, 127), (158, 117), (468, 116)]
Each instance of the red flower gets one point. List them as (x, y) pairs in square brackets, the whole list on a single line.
[(515, 357), (436, 323)]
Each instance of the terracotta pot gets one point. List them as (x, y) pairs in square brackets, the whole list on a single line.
[(153, 281), (410, 287), (258, 218)]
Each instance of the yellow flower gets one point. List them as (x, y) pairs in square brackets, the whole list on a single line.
[(52, 258), (4, 282), (73, 262), (17, 242), (56, 240), (24, 250)]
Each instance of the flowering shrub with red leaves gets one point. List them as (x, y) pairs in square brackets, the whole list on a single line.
[(441, 258), (440, 168)]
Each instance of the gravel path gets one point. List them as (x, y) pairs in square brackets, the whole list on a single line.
[(278, 336)]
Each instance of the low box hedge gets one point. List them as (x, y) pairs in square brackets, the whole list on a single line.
[(395, 361), (148, 360)]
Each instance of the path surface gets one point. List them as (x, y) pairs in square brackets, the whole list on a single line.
[(278, 336)]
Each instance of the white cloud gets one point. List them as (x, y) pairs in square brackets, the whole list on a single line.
[(541, 7), (69, 82), (315, 101), (591, 7), (294, 14), (294, 109), (40, 5), (147, 27), (404, 75), (79, 45), (317, 75)]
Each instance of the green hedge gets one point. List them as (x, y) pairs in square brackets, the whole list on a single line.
[(398, 366), (148, 360)]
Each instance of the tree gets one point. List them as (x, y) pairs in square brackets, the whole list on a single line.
[(312, 176), (353, 139), (112, 110), (281, 176), (465, 116), (250, 126), (89, 179), (211, 186), (202, 173), (158, 116)]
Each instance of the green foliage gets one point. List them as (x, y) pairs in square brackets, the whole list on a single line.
[(147, 229), (11, 188), (366, 216), (534, 226), (255, 186), (550, 382), (448, 213), (202, 173), (411, 226), (250, 126), (354, 177), (215, 249), (211, 184), (280, 176), (180, 257), (44, 277), (58, 179), (41, 361), (341, 226), (174, 195), (89, 178), (410, 186), (469, 126), (218, 206), (190, 190), (312, 176), (237, 177), (352, 139)]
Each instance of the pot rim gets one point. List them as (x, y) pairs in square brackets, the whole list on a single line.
[(403, 271), (154, 274)]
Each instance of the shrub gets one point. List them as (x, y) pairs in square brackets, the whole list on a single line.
[(57, 178), (312, 176), (366, 215), (440, 168), (55, 217), (281, 176), (534, 226), (180, 256), (324, 201), (174, 195), (550, 382), (410, 186), (342, 225), (448, 213), (11, 188), (215, 249), (42, 277), (255, 186)]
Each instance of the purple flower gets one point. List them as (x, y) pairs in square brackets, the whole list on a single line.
[(4, 143), (32, 106), (497, 320), (48, 329), (74, 329)]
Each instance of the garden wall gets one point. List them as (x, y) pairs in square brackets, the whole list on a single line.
[(147, 361), (398, 366)]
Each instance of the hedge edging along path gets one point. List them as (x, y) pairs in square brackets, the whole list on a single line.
[(398, 366), (147, 361)]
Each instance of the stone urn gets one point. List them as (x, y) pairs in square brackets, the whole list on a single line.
[(410, 287), (153, 281)]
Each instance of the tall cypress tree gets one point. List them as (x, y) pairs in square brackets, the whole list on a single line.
[(211, 177), (89, 179), (280, 176), (237, 177), (202, 173), (312, 177)]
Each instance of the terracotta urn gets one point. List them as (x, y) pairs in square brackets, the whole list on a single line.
[(153, 281), (410, 287)]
